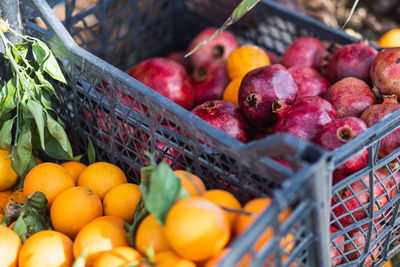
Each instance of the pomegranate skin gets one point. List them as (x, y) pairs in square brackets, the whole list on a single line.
[(352, 60), (338, 242), (305, 51), (309, 81), (375, 114), (382, 195), (337, 133), (167, 78), (258, 90), (225, 116), (209, 81), (385, 71), (273, 57), (350, 97), (179, 57), (305, 117), (360, 241), (218, 48)]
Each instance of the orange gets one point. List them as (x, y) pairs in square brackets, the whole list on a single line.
[(191, 183), (168, 259), (1, 217), (10, 245), (12, 225), (150, 235), (244, 59), (390, 39), (74, 168), (224, 199), (8, 177), (46, 248), (101, 177), (73, 209), (113, 219), (122, 201), (4, 200), (49, 178), (17, 196), (117, 257), (388, 264), (231, 92), (196, 228), (98, 237), (212, 262)]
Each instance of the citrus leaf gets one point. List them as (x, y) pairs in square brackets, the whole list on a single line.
[(58, 132), (162, 191), (91, 152), (19, 51), (54, 150), (8, 97), (47, 61), (46, 84), (23, 150), (37, 112), (5, 134)]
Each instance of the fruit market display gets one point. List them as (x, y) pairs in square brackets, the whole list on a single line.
[(100, 219)]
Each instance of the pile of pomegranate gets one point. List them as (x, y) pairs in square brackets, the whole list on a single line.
[(319, 97)]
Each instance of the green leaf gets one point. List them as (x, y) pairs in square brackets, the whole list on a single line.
[(58, 132), (54, 150), (19, 51), (244, 7), (47, 61), (23, 150), (36, 110), (8, 97), (5, 134), (81, 260), (162, 192), (46, 84), (91, 152)]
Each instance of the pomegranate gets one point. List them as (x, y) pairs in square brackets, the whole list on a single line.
[(350, 97), (273, 57), (225, 116), (167, 78), (304, 118), (305, 51), (309, 81), (375, 114), (218, 48), (337, 133), (337, 246), (258, 90), (209, 81), (385, 71), (179, 57), (359, 239), (352, 60), (359, 202)]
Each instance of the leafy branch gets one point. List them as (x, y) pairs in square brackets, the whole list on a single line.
[(25, 103)]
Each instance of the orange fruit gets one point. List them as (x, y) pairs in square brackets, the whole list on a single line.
[(224, 199), (46, 248), (1, 217), (17, 196), (12, 225), (10, 245), (113, 219), (244, 59), (74, 168), (390, 39), (213, 261), (117, 257), (168, 259), (98, 237), (150, 235), (101, 177), (231, 92), (191, 183), (73, 209), (4, 200), (196, 228), (8, 177), (388, 264), (122, 200), (49, 178)]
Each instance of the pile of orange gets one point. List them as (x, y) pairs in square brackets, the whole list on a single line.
[(89, 205)]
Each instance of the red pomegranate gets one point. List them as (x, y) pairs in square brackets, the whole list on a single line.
[(209, 81), (218, 48), (179, 57), (305, 51), (337, 133), (350, 97), (352, 60), (385, 71), (337, 246), (273, 57), (304, 118), (309, 81), (225, 116), (375, 114), (258, 90), (167, 78)]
